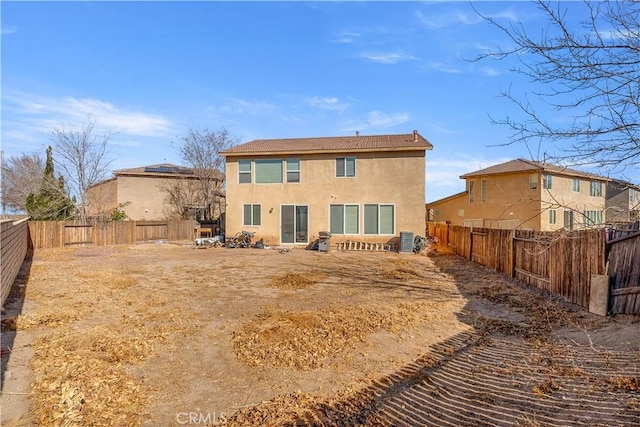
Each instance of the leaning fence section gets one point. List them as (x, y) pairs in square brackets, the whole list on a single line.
[(559, 262), (14, 243), (623, 268), (58, 234)]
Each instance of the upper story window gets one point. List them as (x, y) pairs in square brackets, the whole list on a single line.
[(576, 185), (533, 181), (595, 189), (345, 167), (471, 191), (483, 190), (633, 196), (293, 170), (244, 171), (547, 182), (268, 171)]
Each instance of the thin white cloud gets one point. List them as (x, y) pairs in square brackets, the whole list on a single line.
[(387, 57), (444, 20), (244, 106), (346, 37), (490, 71), (444, 68), (327, 103), (43, 114), (379, 119), (8, 29)]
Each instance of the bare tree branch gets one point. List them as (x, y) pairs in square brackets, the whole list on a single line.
[(201, 151), (82, 157), (590, 75)]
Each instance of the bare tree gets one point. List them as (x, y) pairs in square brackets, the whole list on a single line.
[(201, 151), (21, 175), (590, 75), (82, 157), (183, 197)]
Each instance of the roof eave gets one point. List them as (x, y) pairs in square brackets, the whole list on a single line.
[(300, 152)]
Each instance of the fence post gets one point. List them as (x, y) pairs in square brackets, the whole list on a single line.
[(471, 243), (513, 253)]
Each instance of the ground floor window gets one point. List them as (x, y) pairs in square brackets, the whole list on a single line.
[(251, 215), (552, 216), (592, 217), (344, 219), (379, 219)]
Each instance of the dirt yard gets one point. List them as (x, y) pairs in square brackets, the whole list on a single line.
[(167, 334)]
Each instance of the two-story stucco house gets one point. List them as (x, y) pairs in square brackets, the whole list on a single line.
[(143, 193), (527, 195), (363, 188), (623, 201)]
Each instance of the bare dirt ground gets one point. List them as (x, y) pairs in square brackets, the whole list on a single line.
[(172, 335)]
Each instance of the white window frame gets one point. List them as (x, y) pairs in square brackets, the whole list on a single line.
[(344, 219), (483, 190), (252, 219), (533, 181), (344, 160), (595, 189), (552, 216), (287, 171), (547, 181), (576, 185), (265, 161), (249, 172), (378, 233), (471, 191)]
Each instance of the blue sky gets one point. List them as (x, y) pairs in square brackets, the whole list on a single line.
[(152, 70)]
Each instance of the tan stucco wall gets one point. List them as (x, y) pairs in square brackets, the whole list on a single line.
[(510, 203), (147, 199), (561, 197), (143, 195), (103, 198), (381, 178)]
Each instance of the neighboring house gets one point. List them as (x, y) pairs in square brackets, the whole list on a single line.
[(623, 201), (361, 188), (527, 195), (148, 193)]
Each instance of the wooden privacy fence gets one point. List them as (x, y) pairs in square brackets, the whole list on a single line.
[(439, 230), (14, 244), (623, 267), (559, 262), (57, 234)]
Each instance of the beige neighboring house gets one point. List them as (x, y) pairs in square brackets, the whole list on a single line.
[(525, 194), (623, 202), (359, 188), (141, 192)]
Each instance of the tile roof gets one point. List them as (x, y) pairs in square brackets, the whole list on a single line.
[(354, 143), (522, 165)]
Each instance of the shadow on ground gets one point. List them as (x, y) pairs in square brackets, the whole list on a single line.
[(508, 370), (12, 308)]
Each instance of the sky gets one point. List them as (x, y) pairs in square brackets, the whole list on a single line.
[(153, 70)]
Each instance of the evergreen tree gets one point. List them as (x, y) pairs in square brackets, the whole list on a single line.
[(52, 201)]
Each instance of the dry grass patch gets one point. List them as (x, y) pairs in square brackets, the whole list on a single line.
[(401, 269), (296, 280), (78, 379), (305, 340)]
